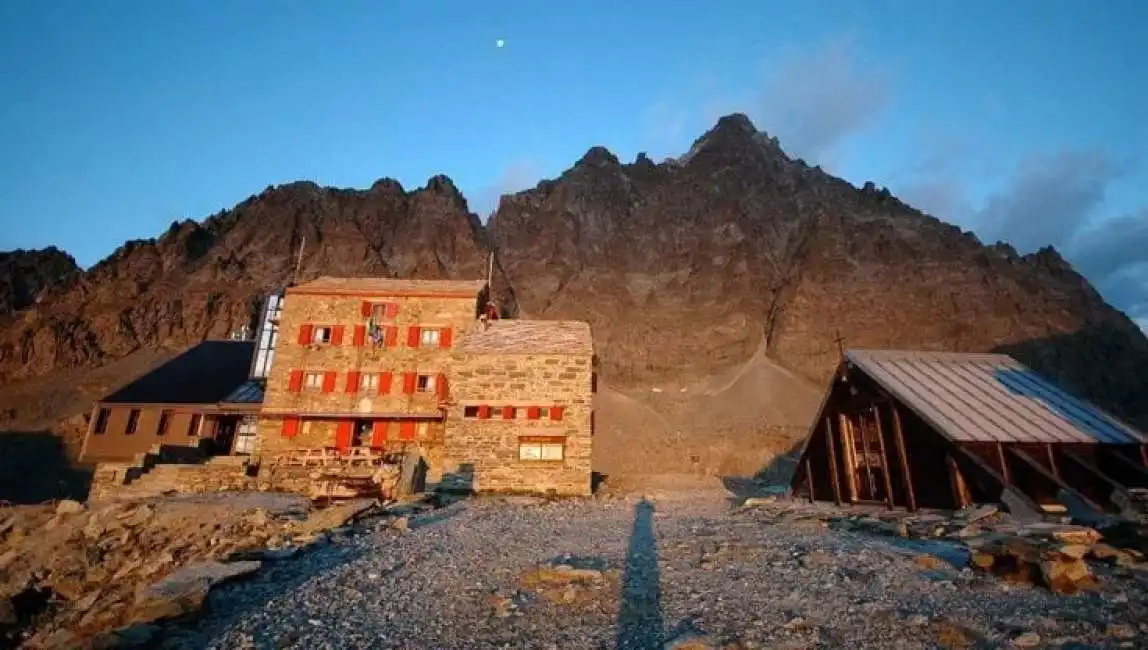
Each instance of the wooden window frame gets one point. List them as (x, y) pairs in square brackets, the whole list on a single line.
[(133, 423)]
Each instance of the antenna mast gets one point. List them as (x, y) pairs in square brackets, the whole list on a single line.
[(299, 260), (490, 270)]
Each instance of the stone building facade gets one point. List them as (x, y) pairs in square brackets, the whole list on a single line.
[(521, 414), (366, 362)]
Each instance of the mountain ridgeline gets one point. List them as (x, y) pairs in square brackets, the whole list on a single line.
[(684, 269)]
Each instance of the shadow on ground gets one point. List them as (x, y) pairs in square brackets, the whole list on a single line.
[(640, 614), (34, 467), (777, 473)]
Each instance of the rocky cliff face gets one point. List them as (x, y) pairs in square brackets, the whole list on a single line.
[(206, 280), (26, 275), (683, 268)]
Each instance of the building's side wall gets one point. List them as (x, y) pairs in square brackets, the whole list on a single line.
[(483, 454), (454, 313), (116, 444)]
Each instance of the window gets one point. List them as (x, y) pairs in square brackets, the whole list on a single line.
[(423, 428), (429, 337), (164, 423), (540, 450), (133, 422), (321, 335), (313, 380), (425, 383), (383, 310), (369, 381), (101, 422), (496, 412), (245, 435), (544, 412), (470, 412), (193, 425)]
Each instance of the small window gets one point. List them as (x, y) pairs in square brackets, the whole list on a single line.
[(133, 422), (429, 337), (540, 451), (313, 380), (423, 428), (496, 412), (470, 412), (425, 383), (193, 425), (163, 424), (382, 311), (321, 335), (101, 422), (369, 381), (544, 412), (306, 426)]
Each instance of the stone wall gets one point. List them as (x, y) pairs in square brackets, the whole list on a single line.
[(316, 434), (343, 356), (482, 454)]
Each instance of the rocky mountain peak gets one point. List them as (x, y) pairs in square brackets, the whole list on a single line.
[(26, 275)]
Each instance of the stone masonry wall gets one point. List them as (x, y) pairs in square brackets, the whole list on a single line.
[(483, 455), (454, 313), (315, 434)]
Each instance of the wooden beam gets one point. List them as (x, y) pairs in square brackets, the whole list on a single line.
[(903, 458), (1040, 469), (1004, 465), (1052, 459), (1116, 486), (850, 456), (976, 461), (865, 455), (955, 481), (809, 478), (884, 457), (830, 446), (1144, 455)]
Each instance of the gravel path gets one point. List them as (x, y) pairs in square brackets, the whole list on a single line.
[(460, 577)]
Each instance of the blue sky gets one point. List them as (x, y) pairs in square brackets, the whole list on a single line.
[(1024, 120)]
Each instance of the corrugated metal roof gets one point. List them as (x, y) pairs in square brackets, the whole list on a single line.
[(989, 398), (513, 336)]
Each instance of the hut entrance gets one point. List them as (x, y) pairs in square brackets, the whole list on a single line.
[(865, 466)]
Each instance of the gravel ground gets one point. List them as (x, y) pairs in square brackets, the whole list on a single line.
[(684, 563)]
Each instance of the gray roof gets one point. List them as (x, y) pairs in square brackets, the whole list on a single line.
[(989, 398), (202, 374), (513, 336)]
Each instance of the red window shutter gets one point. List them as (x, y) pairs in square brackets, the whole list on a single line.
[(413, 337), (290, 427), (305, 333), (365, 309), (556, 413), (508, 413), (379, 433), (445, 337), (343, 435), (360, 336), (295, 381), (440, 385), (337, 335), (409, 379), (407, 430), (533, 413), (353, 381), (384, 383), (484, 412), (329, 381), (392, 336), (391, 310)]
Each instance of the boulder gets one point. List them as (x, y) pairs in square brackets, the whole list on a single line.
[(183, 592)]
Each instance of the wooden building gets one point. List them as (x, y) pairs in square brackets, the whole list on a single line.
[(174, 405), (944, 430), (521, 414)]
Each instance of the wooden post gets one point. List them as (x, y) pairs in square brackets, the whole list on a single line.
[(1004, 464), (1052, 459), (903, 458), (957, 482), (1144, 455), (884, 457), (850, 456), (865, 455), (830, 445), (809, 478)]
